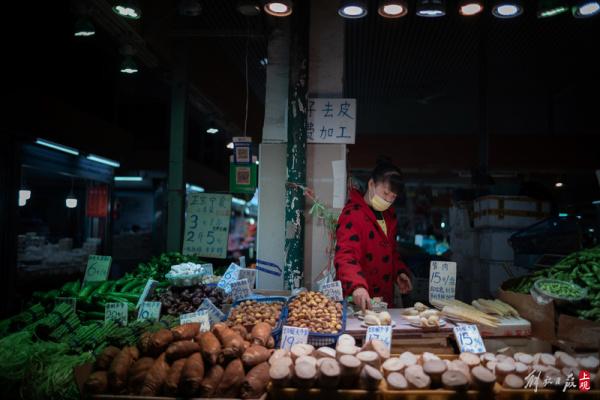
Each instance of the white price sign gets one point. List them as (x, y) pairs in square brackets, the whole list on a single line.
[(248, 274), (230, 276), (290, 335), (148, 289), (442, 280), (150, 310), (333, 290), (207, 224), (469, 339), (72, 301), (240, 289), (116, 312), (198, 316), (382, 332), (214, 314)]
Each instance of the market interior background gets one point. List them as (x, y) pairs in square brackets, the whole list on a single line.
[(464, 106)]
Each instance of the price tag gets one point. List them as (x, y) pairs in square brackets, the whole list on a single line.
[(198, 316), (214, 314), (148, 290), (333, 290), (72, 301), (208, 216), (383, 333), (230, 276), (248, 274), (240, 289), (206, 270), (290, 335), (442, 280), (116, 312), (98, 268), (469, 339), (150, 310)]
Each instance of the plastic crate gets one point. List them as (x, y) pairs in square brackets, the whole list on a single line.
[(322, 339), (276, 332)]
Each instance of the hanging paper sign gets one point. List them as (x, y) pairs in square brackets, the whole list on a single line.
[(214, 314), (148, 290), (72, 301), (98, 268), (442, 280), (150, 310), (240, 290), (198, 316), (333, 290), (248, 274), (290, 335), (116, 312), (207, 224), (469, 339), (230, 276), (331, 121), (381, 332)]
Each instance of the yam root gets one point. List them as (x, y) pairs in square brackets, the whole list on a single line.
[(484, 379), (455, 380), (378, 347), (256, 381), (233, 377), (299, 350), (280, 372), (435, 369), (524, 358), (521, 369), (428, 357), (156, 377), (185, 331), (345, 350), (171, 385), (117, 374), (323, 352), (370, 378), (503, 369), (462, 367), (350, 367), (563, 360), (159, 341), (181, 349), (308, 359), (392, 365), (512, 381), (192, 375), (397, 381), (256, 354), (96, 383), (211, 348), (416, 378), (211, 381), (105, 358), (305, 375), (261, 333), (277, 354), (329, 373), (346, 339), (472, 360), (369, 358), (408, 358), (590, 363), (137, 374)]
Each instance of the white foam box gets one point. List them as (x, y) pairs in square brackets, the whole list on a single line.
[(508, 327), (508, 212)]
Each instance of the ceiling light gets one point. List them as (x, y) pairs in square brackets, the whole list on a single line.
[(22, 202), (248, 8), (558, 184), (212, 131), (264, 61), (57, 146), (586, 8), (550, 8), (280, 8), (352, 9), (237, 201), (84, 27), (190, 8), (129, 66), (25, 193), (563, 215), (230, 145), (127, 9), (102, 160), (128, 178), (507, 9), (470, 7), (431, 8), (393, 8), (194, 188), (71, 201)]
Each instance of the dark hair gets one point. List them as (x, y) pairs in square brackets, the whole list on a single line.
[(386, 172)]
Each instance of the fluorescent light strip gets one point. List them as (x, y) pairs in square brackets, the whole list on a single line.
[(563, 215), (102, 160), (128, 178), (56, 146), (240, 202), (194, 188)]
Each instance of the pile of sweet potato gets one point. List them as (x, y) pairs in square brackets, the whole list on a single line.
[(184, 362)]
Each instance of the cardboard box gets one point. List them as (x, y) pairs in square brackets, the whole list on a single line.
[(581, 333)]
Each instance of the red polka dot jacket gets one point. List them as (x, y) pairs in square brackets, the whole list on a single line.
[(364, 255)]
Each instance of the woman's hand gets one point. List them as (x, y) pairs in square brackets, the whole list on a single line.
[(361, 298), (404, 283)]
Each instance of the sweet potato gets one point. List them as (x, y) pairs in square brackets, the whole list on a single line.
[(156, 377), (256, 381), (171, 385), (181, 349), (192, 375), (105, 358), (185, 331), (137, 374), (255, 355), (232, 342), (241, 329), (271, 343), (159, 341), (211, 381), (96, 383), (261, 333), (233, 377), (211, 347), (117, 374), (144, 343)]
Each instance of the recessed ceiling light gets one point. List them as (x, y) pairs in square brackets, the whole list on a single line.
[(470, 7), (431, 8), (128, 9), (212, 131), (507, 9), (393, 8), (352, 9), (280, 8)]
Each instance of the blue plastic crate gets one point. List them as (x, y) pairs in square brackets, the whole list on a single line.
[(322, 339), (276, 332)]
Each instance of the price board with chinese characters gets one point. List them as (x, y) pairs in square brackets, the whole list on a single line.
[(98, 268), (150, 310), (442, 280), (207, 224), (198, 316), (331, 121), (248, 274), (148, 290), (214, 314), (230, 276), (333, 290), (240, 289), (469, 339), (116, 312), (72, 301), (290, 335), (380, 332)]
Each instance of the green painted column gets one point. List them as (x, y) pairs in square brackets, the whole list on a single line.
[(293, 272), (176, 182)]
